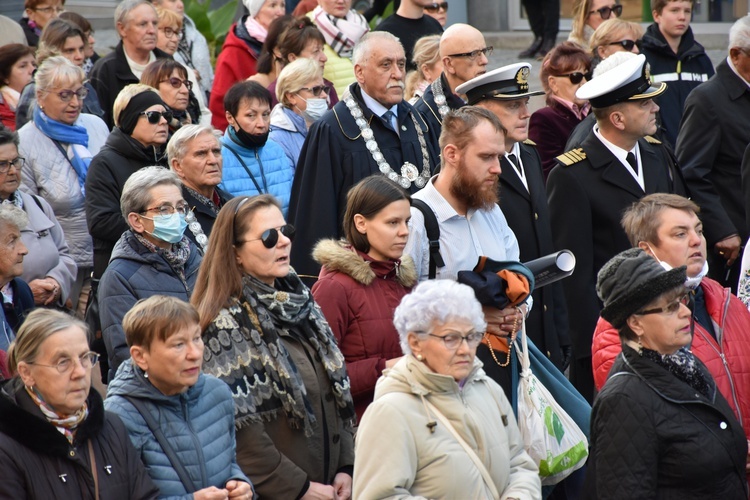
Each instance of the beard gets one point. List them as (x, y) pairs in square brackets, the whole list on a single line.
[(472, 192)]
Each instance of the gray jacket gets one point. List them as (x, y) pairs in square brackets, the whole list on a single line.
[(48, 174), (199, 54)]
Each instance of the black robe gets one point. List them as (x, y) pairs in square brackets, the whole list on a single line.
[(429, 110), (203, 213), (333, 159)]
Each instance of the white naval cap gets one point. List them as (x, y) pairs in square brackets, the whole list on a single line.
[(628, 81), (506, 83)]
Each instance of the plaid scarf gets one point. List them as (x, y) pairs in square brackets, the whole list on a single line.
[(341, 34)]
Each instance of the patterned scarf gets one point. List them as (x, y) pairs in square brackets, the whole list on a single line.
[(341, 34), (66, 425), (203, 200), (682, 365), (14, 199), (176, 257), (254, 362)]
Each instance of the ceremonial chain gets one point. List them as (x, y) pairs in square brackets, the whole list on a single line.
[(409, 172), (439, 96), (196, 229)]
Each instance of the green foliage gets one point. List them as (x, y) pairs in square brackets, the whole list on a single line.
[(213, 24), (386, 13)]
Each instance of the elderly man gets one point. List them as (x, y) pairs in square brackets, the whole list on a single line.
[(464, 54), (714, 132), (194, 155), (616, 165), (136, 24), (372, 131), (523, 198)]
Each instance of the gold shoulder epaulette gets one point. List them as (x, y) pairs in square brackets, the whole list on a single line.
[(572, 157), (652, 140), (529, 142)]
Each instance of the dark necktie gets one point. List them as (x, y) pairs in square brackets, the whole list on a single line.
[(388, 119), (633, 164), (512, 158)]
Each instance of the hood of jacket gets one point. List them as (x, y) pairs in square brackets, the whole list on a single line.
[(130, 381), (339, 256), (654, 40), (130, 148), (238, 37), (286, 119)]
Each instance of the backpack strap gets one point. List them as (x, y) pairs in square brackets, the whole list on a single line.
[(432, 228)]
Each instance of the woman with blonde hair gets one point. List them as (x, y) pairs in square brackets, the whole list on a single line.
[(615, 35), (426, 57), (588, 15)]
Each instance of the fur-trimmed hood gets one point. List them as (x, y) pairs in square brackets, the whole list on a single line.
[(339, 256)]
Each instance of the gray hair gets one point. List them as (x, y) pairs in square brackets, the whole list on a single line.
[(55, 70), (136, 193), (365, 45), (739, 33), (13, 216), (178, 144), (434, 303), (125, 7)]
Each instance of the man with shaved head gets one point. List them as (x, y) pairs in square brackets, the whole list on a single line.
[(465, 56)]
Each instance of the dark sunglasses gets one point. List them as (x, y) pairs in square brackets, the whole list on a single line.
[(627, 44), (605, 12), (316, 90), (270, 237), (177, 83), (575, 78), (434, 7), (154, 117)]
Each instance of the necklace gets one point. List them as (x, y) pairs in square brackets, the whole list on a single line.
[(442, 103), (409, 172)]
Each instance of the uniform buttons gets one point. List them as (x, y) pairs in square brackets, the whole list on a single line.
[(723, 425)]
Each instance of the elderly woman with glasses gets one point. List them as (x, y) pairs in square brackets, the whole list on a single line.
[(58, 145), (56, 439), (588, 15), (37, 14), (163, 379), (660, 426), (268, 340), (137, 141), (439, 427), (12, 252), (170, 78), (153, 257)]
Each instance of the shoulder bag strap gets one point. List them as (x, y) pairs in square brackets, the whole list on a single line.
[(474, 458), (432, 228), (182, 473), (93, 470), (249, 172)]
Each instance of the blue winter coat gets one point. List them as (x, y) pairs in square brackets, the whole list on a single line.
[(199, 424), (288, 130), (269, 166), (135, 273)]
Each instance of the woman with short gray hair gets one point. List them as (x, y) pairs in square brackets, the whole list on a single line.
[(12, 251), (413, 438), (153, 257)]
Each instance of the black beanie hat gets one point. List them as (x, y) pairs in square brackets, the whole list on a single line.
[(138, 104), (631, 280)]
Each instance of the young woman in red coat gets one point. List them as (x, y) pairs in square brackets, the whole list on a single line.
[(364, 278)]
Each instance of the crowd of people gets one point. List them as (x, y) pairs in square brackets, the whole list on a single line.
[(258, 278)]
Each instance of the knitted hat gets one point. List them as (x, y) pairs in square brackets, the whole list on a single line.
[(631, 280), (253, 6)]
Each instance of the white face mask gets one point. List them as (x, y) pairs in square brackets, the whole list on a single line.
[(316, 107), (691, 283)]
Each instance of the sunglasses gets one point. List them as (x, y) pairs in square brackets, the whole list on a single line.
[(627, 44), (176, 83), (434, 7), (577, 77), (605, 12), (487, 51), (154, 117), (316, 90), (270, 237)]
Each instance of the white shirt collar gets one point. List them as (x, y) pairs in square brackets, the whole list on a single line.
[(375, 106)]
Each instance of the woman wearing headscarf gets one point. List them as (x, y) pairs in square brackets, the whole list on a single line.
[(238, 58), (56, 439), (660, 427), (267, 338), (58, 146)]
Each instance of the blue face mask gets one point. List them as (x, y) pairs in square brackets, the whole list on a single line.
[(169, 228)]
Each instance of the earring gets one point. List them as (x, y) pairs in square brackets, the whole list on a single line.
[(419, 357), (640, 347), (145, 374)]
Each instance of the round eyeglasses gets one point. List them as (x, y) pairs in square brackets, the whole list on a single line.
[(167, 210), (66, 364), (453, 340)]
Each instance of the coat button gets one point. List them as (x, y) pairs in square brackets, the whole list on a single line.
[(336, 438), (72, 453), (536, 216), (545, 307), (723, 425)]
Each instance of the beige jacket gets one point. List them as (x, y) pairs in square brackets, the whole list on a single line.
[(397, 457)]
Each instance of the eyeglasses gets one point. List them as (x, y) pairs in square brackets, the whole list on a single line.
[(434, 7), (605, 12), (154, 117), (487, 51), (627, 44), (452, 341), (176, 83), (166, 210), (66, 364), (17, 162), (169, 33), (48, 10), (316, 90), (672, 307), (271, 236), (577, 77), (67, 95)]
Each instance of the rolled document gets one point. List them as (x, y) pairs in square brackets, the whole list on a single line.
[(552, 267)]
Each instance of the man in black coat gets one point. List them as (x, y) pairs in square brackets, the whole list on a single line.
[(374, 131), (137, 26), (590, 188), (194, 154), (714, 132), (523, 199)]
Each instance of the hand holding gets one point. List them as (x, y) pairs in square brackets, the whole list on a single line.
[(319, 491), (239, 490), (342, 484)]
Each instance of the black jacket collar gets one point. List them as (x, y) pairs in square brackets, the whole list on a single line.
[(130, 148)]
